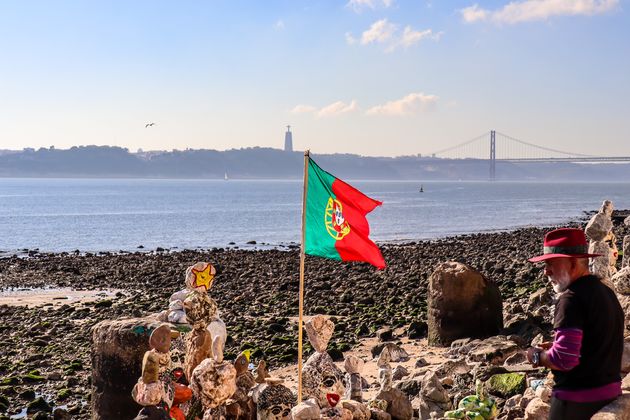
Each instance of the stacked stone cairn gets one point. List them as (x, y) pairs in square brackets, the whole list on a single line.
[(395, 402), (242, 405), (213, 381), (602, 242), (155, 390), (320, 376)]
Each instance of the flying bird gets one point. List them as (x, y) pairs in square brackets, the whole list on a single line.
[(147, 125)]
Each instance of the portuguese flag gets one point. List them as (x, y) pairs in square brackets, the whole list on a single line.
[(335, 223)]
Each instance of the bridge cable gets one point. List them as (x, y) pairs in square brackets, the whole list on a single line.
[(543, 147), (448, 149)]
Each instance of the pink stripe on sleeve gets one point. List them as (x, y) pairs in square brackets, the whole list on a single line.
[(565, 351)]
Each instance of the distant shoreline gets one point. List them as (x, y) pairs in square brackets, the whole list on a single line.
[(269, 163)]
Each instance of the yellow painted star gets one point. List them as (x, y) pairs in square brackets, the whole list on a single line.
[(204, 277)]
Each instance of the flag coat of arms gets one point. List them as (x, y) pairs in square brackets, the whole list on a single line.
[(336, 226)]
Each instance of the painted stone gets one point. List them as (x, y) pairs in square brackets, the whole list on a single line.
[(275, 401), (334, 412), (182, 395), (320, 375), (199, 277)]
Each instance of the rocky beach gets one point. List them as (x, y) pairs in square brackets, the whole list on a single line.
[(45, 349)]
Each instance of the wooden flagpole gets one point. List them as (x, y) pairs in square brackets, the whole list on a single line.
[(302, 257)]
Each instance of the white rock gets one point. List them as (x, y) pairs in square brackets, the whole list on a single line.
[(306, 410), (537, 410)]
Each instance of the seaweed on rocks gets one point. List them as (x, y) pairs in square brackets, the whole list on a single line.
[(257, 293)]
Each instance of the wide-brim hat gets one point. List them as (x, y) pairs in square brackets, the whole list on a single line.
[(564, 243)]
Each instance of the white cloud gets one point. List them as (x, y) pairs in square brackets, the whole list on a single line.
[(380, 31), (411, 104), (411, 37), (387, 33), (358, 5), (332, 110), (473, 13), (303, 109), (532, 10), (337, 108), (350, 40), (279, 25)]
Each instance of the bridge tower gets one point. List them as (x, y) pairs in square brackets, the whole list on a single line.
[(493, 155)]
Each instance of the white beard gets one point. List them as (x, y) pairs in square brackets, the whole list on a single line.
[(560, 282)]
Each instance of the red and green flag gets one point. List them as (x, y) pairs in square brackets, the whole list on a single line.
[(335, 223)]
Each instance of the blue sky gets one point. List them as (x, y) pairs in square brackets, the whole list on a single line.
[(372, 77)]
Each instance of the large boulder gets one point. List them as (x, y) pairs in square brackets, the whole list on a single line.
[(462, 303), (616, 410), (118, 347)]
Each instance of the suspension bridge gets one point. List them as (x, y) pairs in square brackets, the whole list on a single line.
[(498, 147)]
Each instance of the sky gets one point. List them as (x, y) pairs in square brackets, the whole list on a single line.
[(369, 77)]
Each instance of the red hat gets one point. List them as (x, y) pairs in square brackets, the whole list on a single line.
[(564, 243)]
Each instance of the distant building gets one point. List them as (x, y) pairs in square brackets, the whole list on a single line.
[(288, 140)]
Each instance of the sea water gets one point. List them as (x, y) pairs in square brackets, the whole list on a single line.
[(123, 214)]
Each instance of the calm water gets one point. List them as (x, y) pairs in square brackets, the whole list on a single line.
[(115, 214)]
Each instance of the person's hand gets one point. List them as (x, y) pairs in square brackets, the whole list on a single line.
[(546, 345), (534, 360), (530, 354)]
